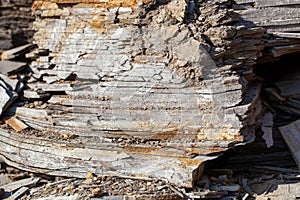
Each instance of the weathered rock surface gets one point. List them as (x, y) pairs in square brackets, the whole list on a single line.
[(9, 67), (291, 134), (16, 23), (279, 17), (148, 89)]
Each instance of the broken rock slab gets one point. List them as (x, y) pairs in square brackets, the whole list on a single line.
[(10, 67), (16, 52), (16, 124), (282, 192), (10, 187), (291, 135)]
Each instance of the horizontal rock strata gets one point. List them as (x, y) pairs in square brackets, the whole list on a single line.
[(16, 23), (148, 89), (279, 17)]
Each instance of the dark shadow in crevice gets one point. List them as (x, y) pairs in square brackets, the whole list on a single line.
[(285, 69)]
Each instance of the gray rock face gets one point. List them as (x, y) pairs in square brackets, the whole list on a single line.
[(8, 67), (156, 67), (144, 88), (133, 80), (137, 89), (278, 17)]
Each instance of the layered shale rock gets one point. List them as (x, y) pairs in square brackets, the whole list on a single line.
[(16, 23), (143, 89), (278, 17), (133, 90)]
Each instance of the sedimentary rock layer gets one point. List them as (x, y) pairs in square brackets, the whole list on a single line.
[(15, 23), (148, 89), (133, 77), (278, 17)]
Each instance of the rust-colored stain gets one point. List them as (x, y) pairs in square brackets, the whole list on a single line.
[(164, 135), (144, 150), (99, 21), (43, 5), (103, 3), (36, 4), (16, 124), (205, 151), (225, 134), (190, 162)]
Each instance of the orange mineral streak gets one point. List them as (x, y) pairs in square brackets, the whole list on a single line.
[(103, 3), (99, 21), (190, 162), (204, 151), (165, 135), (144, 150), (107, 4), (224, 135), (37, 4), (45, 6), (96, 23)]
